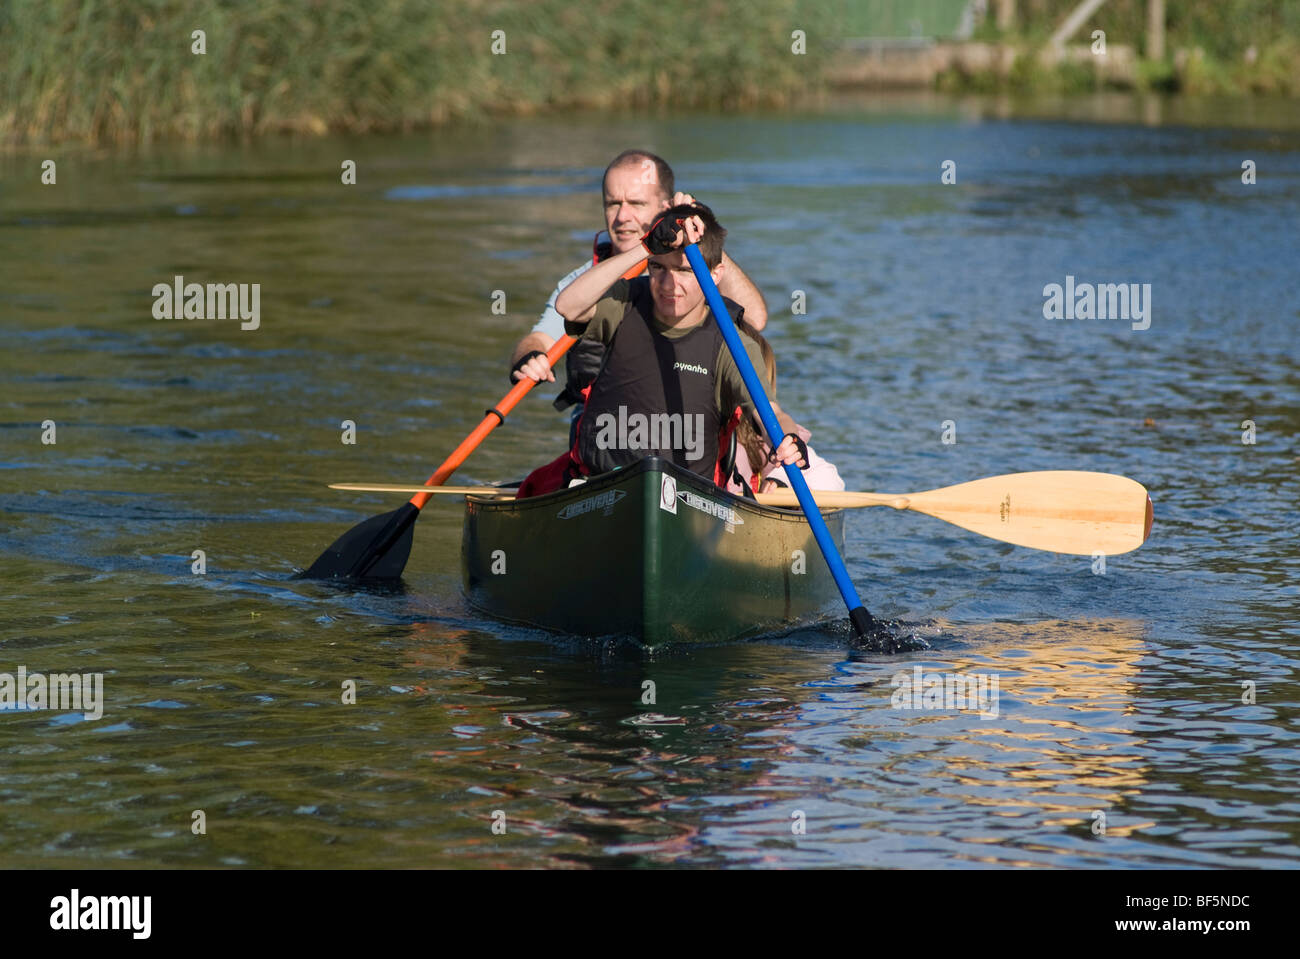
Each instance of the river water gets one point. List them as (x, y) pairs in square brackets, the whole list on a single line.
[(1147, 715)]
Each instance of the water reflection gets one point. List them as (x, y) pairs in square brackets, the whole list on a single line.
[(740, 740)]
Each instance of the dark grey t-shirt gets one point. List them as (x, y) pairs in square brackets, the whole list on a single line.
[(730, 391)]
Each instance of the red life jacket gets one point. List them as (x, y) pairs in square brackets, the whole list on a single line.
[(726, 464)]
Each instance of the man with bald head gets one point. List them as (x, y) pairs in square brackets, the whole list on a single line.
[(636, 188)]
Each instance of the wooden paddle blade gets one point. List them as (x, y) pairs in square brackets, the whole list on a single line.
[(375, 549), (1061, 511)]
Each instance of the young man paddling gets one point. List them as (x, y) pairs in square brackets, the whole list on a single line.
[(636, 188), (668, 382)]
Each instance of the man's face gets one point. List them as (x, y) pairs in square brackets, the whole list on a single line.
[(674, 287), (632, 201)]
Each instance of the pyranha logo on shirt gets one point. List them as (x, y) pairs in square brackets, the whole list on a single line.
[(690, 368)]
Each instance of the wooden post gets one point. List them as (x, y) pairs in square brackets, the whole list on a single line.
[(1006, 14), (1155, 29)]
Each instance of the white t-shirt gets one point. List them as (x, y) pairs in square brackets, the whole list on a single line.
[(551, 322)]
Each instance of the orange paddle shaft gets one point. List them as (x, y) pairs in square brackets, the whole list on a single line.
[(497, 414)]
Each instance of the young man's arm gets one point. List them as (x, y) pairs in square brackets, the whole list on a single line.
[(735, 393), (735, 285), (788, 451), (577, 301), (788, 425)]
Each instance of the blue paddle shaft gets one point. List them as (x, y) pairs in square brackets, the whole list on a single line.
[(857, 612)]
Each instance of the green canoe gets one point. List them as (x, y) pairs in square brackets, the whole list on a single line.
[(652, 552)]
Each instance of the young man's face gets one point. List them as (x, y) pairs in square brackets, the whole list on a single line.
[(673, 285), (632, 201)]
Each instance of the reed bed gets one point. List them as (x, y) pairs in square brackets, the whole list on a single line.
[(109, 72)]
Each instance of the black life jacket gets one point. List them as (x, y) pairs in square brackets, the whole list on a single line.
[(654, 395), (583, 360)]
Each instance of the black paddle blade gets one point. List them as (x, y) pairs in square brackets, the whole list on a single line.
[(375, 549)]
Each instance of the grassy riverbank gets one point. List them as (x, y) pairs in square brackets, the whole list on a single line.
[(125, 73)]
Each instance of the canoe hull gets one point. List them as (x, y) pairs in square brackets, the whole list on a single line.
[(650, 552)]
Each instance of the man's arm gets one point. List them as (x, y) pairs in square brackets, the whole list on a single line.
[(548, 329), (537, 368), (735, 285)]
